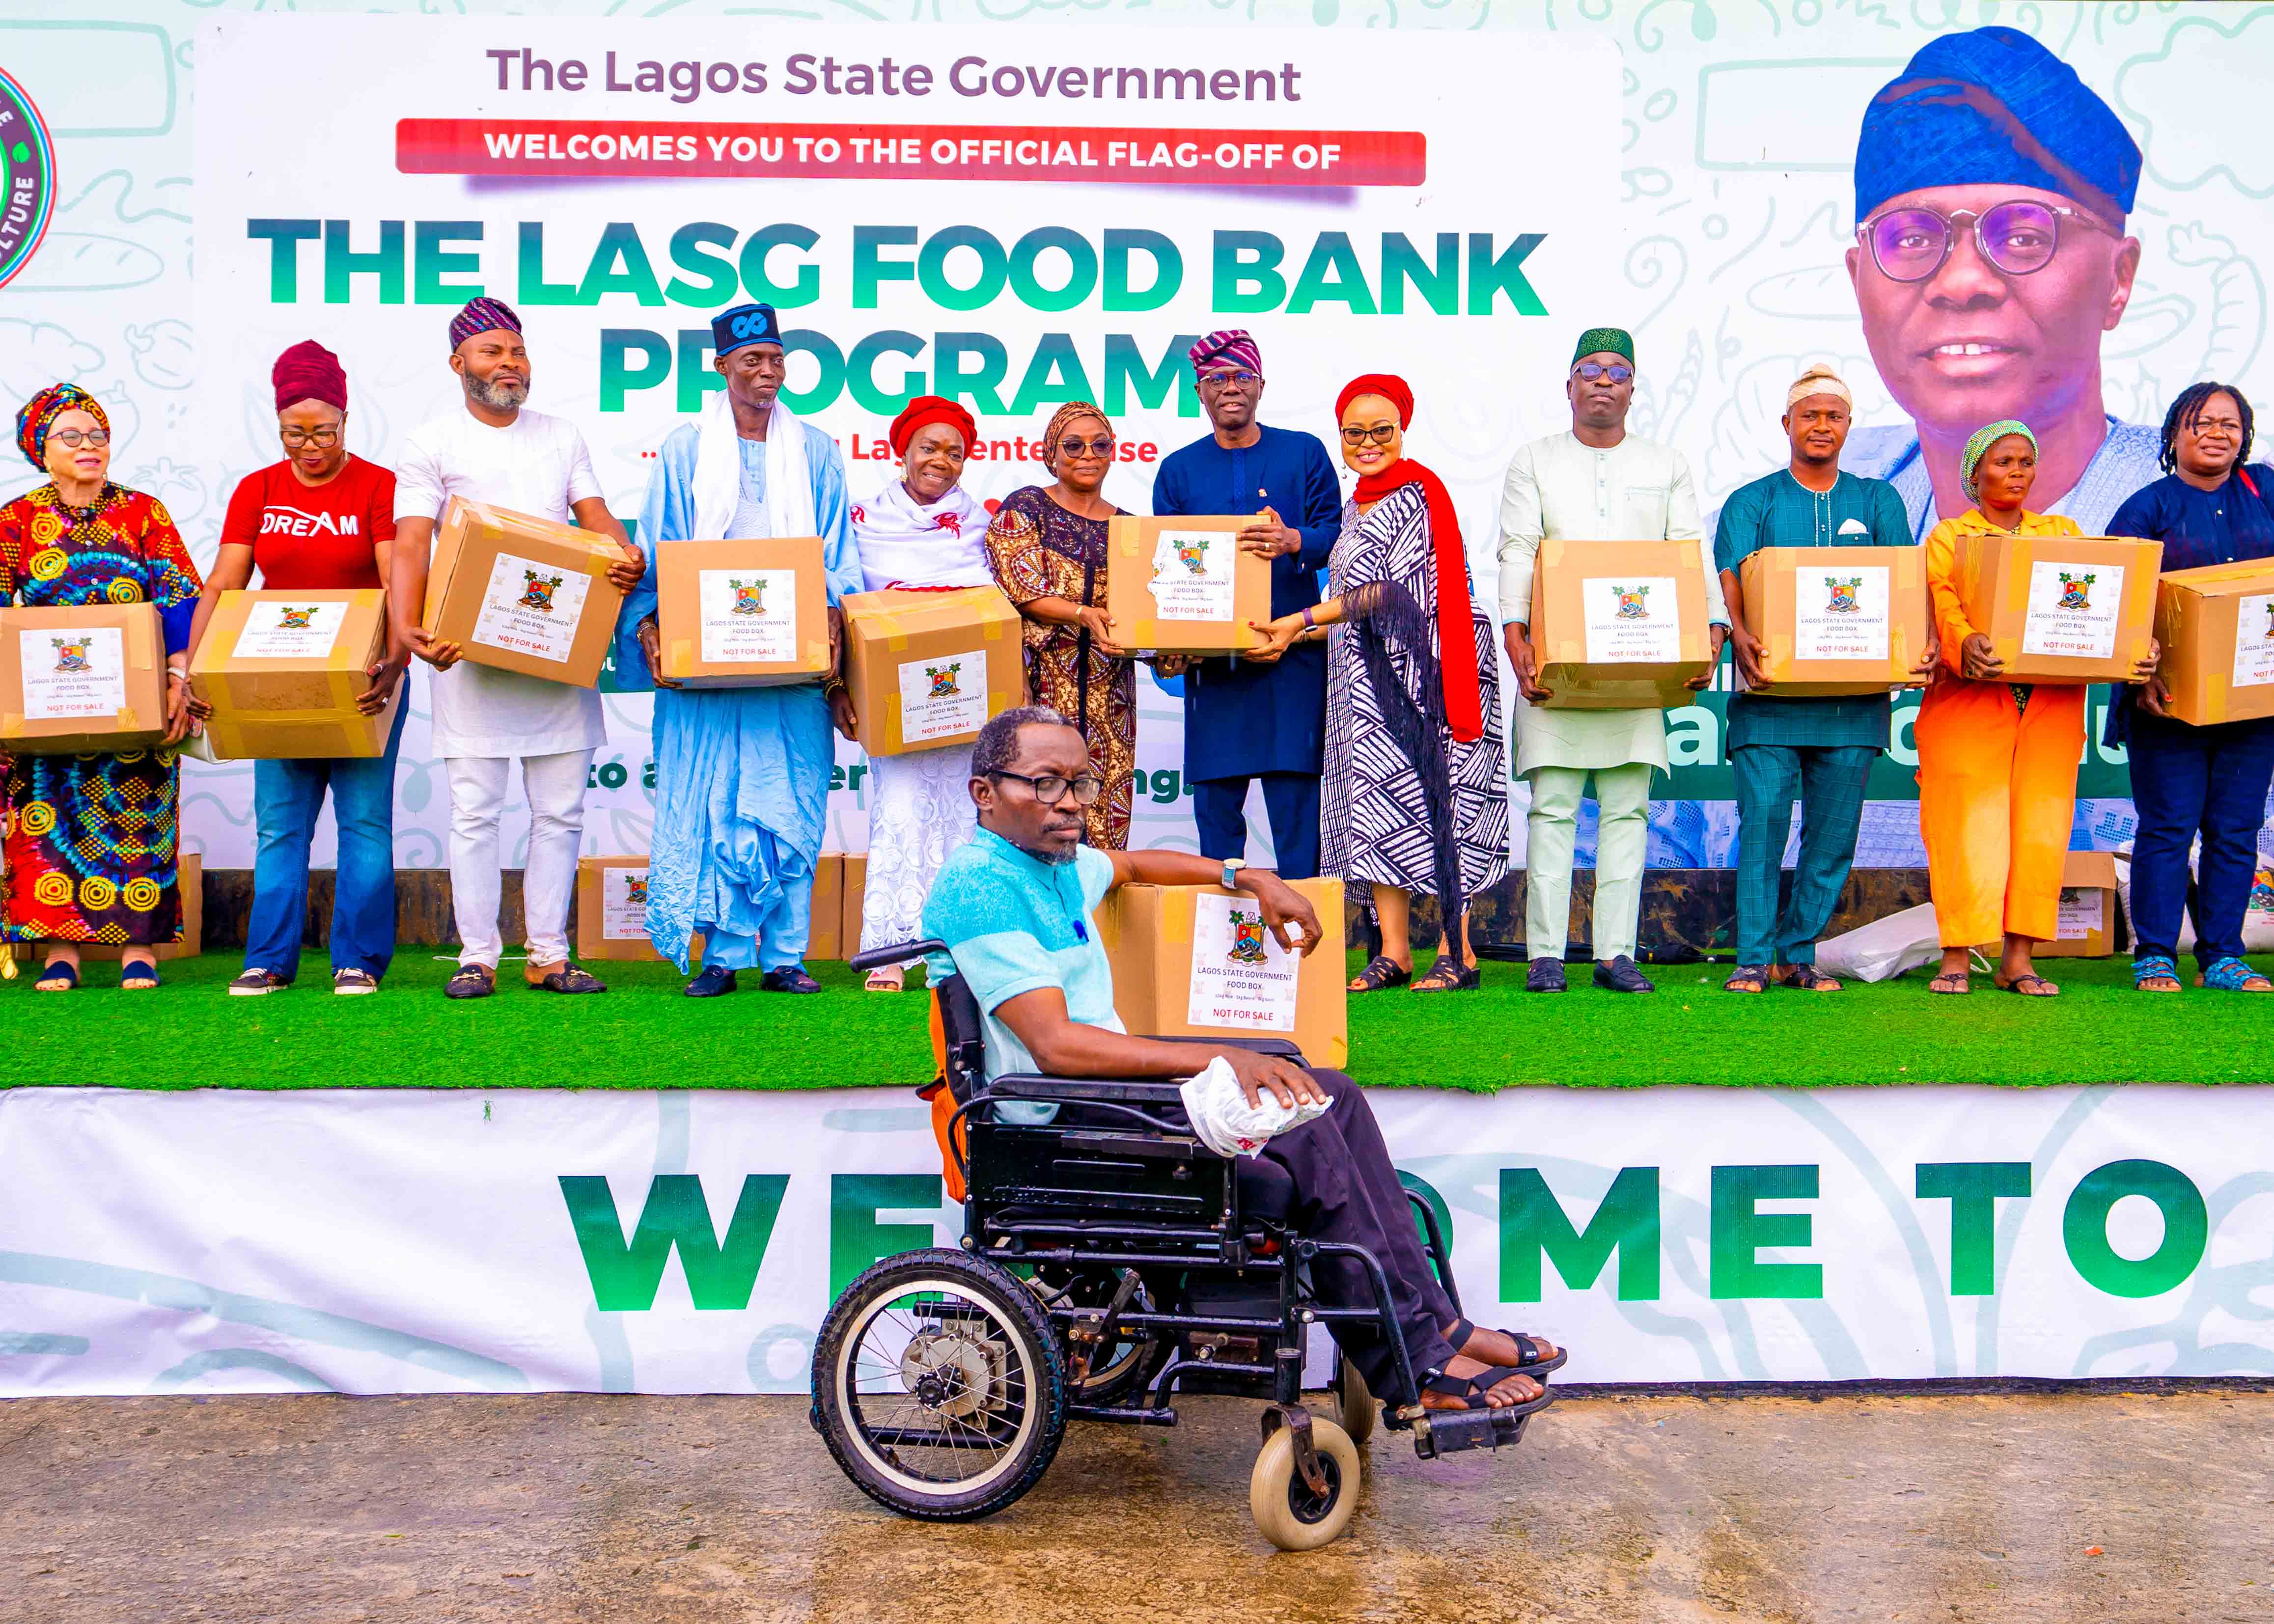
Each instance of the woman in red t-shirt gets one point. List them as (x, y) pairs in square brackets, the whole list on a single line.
[(319, 519)]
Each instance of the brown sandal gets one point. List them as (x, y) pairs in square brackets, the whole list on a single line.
[(1380, 972)]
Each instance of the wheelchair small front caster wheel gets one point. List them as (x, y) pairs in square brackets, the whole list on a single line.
[(1356, 1406), (1289, 1513)]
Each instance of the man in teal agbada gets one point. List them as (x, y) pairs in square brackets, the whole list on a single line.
[(1820, 750)]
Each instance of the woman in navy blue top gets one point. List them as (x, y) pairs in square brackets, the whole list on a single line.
[(2210, 507)]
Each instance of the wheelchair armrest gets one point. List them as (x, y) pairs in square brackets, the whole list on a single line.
[(881, 957), (1281, 1047), (1124, 1091)]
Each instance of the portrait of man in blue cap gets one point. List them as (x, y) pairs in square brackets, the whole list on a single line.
[(1992, 191)]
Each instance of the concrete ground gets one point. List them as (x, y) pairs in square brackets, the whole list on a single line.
[(631, 1509)]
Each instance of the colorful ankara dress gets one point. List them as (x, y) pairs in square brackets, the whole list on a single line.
[(1997, 771), (1040, 550), (1375, 825), (1819, 750), (91, 839)]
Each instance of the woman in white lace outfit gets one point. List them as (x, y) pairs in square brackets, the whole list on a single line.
[(921, 530)]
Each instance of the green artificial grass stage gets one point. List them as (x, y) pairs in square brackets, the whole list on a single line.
[(642, 1033)]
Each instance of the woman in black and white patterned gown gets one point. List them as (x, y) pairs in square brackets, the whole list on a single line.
[(1414, 796)]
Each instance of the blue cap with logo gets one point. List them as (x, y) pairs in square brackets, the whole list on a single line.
[(743, 326)]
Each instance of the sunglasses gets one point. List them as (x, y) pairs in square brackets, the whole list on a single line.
[(1103, 445), (1050, 789), (1911, 244), (1381, 435), (1594, 371), (74, 437)]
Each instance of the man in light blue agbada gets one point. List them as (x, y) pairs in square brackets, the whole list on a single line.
[(742, 774)]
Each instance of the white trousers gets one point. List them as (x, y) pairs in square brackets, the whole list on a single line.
[(555, 787)]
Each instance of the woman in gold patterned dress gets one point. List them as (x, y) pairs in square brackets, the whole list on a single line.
[(1047, 546)]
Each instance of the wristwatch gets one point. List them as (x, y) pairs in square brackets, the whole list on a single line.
[(1232, 867)]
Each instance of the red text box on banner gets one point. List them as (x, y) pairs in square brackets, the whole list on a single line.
[(1117, 156)]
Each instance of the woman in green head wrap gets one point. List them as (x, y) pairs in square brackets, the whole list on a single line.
[(1998, 759)]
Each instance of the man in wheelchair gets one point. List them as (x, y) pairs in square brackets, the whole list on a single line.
[(1013, 906)]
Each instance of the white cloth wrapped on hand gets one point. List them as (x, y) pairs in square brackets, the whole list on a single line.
[(1224, 1120)]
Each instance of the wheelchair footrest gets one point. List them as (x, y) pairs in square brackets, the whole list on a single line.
[(1452, 1431)]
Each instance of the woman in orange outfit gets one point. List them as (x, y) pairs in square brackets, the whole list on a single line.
[(1998, 759)]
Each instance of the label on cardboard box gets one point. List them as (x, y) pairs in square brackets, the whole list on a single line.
[(290, 631), (1840, 614), (623, 905), (1192, 575), (531, 608), (2254, 641), (748, 615), (73, 672), (1633, 619), (2072, 610), (1241, 977), (942, 694), (2083, 910)]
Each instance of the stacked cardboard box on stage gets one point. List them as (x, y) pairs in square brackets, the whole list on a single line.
[(612, 911), (1196, 959), (281, 671), (745, 614), (1834, 621), (927, 669), (2087, 928), (2061, 609), (1619, 625), (1184, 585), (91, 679), (522, 593), (2217, 627)]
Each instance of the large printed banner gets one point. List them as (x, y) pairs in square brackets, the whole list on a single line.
[(444, 1242), (1017, 203)]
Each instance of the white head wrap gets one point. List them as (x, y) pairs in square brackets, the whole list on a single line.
[(1817, 379)]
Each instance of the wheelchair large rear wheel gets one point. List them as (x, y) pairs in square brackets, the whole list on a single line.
[(938, 1385)]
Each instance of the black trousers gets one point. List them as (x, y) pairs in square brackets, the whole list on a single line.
[(1291, 801), (1344, 1188)]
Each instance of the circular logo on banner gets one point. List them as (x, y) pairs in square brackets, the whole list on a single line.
[(27, 177)]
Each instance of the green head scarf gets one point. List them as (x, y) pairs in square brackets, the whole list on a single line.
[(1601, 341), (1978, 447)]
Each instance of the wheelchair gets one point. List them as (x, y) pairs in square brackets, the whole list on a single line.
[(1109, 1259)]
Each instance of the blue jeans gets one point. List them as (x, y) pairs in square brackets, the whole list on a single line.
[(2185, 780), (287, 796)]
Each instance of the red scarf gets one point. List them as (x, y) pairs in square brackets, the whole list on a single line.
[(1456, 637)]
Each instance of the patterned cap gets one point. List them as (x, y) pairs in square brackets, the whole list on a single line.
[(1232, 344), (483, 315), (1603, 340)]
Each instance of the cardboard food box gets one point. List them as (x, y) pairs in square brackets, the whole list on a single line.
[(2088, 909), (2217, 627), (612, 909), (80, 681), (1196, 959), (1183, 586), (1619, 625), (1836, 620), (827, 944), (2064, 609), (751, 613), (281, 671), (927, 669), (853, 885), (190, 875), (522, 593)]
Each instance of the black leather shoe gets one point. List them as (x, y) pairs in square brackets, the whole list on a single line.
[(1620, 976), (1546, 975), (788, 978), (715, 982)]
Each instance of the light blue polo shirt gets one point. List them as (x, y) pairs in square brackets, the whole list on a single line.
[(1013, 924)]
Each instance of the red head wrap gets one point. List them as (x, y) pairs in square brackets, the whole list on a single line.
[(930, 409), (1456, 639), (308, 372)]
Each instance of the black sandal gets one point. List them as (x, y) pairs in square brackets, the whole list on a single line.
[(1472, 1389), (1380, 972), (1450, 974), (1747, 978), (1808, 978), (1534, 1361)]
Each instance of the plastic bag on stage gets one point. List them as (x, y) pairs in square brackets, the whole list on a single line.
[(1884, 949), (1224, 1120)]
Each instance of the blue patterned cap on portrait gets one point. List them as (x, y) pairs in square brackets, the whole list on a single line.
[(1991, 106), (743, 326)]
